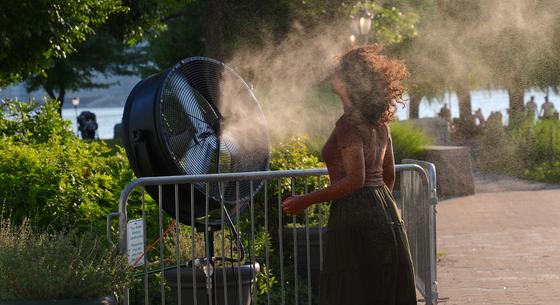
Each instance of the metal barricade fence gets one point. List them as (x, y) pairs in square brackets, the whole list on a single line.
[(205, 283), (420, 221)]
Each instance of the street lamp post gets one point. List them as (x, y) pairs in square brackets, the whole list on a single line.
[(361, 23), (76, 102)]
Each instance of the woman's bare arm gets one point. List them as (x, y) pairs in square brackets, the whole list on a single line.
[(354, 167), (389, 165)]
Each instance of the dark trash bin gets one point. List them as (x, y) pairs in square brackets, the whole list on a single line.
[(248, 283), (314, 252), (87, 125)]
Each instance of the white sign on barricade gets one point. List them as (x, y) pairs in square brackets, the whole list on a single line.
[(135, 242)]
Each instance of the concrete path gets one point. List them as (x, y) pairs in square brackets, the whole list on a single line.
[(502, 245)]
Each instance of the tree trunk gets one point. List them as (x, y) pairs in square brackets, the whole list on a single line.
[(516, 104), (61, 95), (50, 92), (60, 98), (464, 97), (213, 29), (414, 106)]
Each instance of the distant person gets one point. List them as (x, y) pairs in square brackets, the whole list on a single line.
[(445, 113), (87, 125), (495, 119), (480, 117), (531, 108), (547, 109)]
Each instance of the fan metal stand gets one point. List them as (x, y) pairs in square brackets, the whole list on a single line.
[(208, 262)]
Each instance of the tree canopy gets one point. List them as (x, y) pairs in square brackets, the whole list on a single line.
[(466, 44), (95, 38), (453, 45), (220, 29), (34, 32)]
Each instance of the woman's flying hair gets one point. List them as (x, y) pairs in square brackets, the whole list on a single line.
[(373, 82)]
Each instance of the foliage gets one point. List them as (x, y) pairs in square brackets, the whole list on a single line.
[(408, 141), (497, 152), (465, 44), (33, 32), (108, 50), (100, 54), (216, 29), (548, 171), (53, 178), (524, 150), (176, 41), (25, 123), (41, 266), (389, 26), (234, 25), (294, 154), (291, 154)]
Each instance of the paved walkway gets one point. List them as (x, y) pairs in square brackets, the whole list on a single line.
[(500, 246)]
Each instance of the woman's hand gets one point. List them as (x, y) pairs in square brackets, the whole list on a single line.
[(294, 204)]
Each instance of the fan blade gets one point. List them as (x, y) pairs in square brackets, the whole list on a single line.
[(202, 157), (181, 143)]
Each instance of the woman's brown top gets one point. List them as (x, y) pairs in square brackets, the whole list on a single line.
[(352, 130)]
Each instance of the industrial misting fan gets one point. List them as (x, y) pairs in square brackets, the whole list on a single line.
[(197, 117)]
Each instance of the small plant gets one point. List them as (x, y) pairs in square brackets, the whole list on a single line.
[(43, 266), (408, 141)]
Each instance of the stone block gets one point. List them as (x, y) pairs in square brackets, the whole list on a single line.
[(454, 170)]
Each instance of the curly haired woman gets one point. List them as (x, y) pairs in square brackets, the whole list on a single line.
[(367, 258)]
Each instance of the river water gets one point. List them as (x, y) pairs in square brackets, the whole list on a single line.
[(487, 101)]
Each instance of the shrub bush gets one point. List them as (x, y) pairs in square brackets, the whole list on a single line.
[(525, 150), (50, 176), (408, 141), (42, 266), (498, 151), (29, 122)]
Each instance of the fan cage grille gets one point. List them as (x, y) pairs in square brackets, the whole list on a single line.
[(194, 117)]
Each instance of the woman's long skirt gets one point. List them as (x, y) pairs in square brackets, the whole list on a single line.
[(367, 257)]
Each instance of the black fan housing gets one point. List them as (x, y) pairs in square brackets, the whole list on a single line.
[(198, 117)]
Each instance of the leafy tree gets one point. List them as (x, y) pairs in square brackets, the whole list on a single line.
[(182, 37), (33, 32), (101, 54), (227, 26), (215, 29), (464, 44), (107, 49), (520, 56), (390, 25), (440, 56)]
